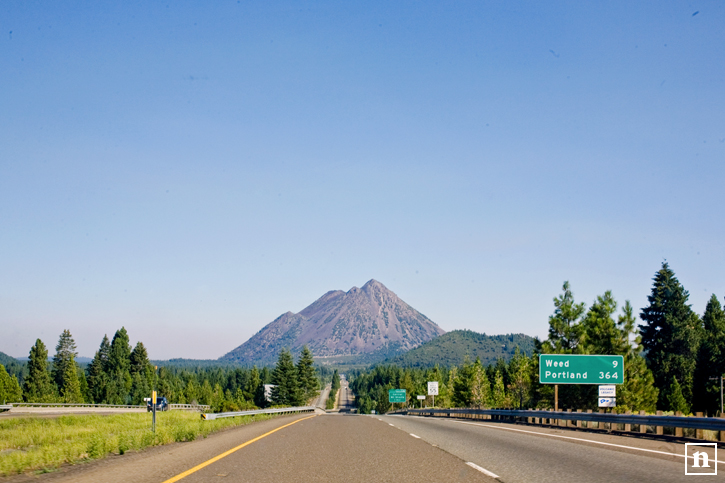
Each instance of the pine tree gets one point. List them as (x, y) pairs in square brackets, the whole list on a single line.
[(140, 366), (674, 399), (9, 388), (118, 371), (671, 334), (711, 358), (253, 383), (97, 373), (462, 397), (498, 396), (287, 390), (85, 392), (638, 392), (65, 370), (564, 327), (480, 386), (70, 391), (520, 371), (38, 386), (307, 374)]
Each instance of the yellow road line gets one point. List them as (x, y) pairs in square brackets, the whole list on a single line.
[(227, 453)]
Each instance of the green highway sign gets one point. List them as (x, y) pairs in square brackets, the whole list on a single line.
[(396, 395), (580, 369)]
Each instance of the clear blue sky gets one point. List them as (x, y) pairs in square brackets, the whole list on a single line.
[(192, 170)]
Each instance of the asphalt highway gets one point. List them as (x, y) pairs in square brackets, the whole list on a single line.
[(344, 447), (518, 454)]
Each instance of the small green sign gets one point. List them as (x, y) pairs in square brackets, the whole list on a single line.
[(396, 395), (580, 369)]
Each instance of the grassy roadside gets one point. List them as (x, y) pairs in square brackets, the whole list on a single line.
[(43, 444)]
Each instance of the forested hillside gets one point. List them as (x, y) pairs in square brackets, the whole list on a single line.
[(452, 348)]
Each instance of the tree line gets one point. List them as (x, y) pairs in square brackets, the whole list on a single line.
[(119, 374), (672, 359)]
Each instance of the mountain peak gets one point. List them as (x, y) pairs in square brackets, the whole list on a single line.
[(357, 322)]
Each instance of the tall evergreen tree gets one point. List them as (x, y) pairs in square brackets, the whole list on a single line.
[(65, 370), (97, 373), (9, 388), (252, 385), (711, 358), (638, 392), (671, 334), (119, 369), (674, 399), (307, 374), (37, 386), (70, 391), (564, 326), (480, 386), (520, 371), (142, 374), (287, 389)]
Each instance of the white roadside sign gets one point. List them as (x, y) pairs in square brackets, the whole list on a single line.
[(607, 402), (433, 388), (421, 397), (609, 390)]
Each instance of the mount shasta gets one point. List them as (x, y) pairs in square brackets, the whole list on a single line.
[(362, 321)]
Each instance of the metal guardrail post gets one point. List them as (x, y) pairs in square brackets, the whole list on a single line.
[(699, 432), (628, 426), (659, 429)]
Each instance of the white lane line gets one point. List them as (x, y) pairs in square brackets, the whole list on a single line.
[(482, 470), (392, 425), (413, 435), (580, 439)]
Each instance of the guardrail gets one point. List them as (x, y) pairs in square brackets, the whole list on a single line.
[(74, 405), (303, 409), (6, 407), (658, 422), (192, 407)]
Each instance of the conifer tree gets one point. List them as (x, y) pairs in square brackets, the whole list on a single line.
[(520, 372), (287, 390), (498, 395), (671, 334), (9, 388), (307, 374), (97, 373), (65, 370), (142, 374), (674, 399), (85, 392), (253, 383), (37, 386), (118, 371), (711, 358), (70, 391), (480, 386), (564, 327), (462, 396), (638, 392)]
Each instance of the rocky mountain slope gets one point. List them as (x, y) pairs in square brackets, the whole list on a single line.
[(361, 321)]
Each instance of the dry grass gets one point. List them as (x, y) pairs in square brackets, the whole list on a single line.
[(43, 444)]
